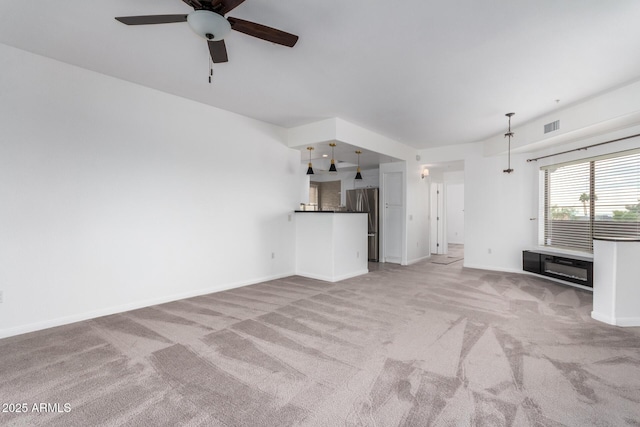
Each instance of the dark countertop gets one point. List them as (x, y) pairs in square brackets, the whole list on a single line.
[(338, 212), (561, 254), (617, 239)]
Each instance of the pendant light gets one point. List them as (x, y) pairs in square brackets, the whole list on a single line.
[(332, 168), (358, 174), (310, 170), (509, 135)]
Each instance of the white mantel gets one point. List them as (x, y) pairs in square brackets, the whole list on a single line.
[(331, 246)]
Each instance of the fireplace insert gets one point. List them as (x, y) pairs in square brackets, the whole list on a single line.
[(571, 269)]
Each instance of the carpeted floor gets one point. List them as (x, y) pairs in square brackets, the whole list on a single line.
[(455, 253), (422, 345)]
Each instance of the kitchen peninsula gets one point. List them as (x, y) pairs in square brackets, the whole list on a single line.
[(331, 246)]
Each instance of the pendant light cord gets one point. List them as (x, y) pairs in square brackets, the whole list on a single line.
[(210, 68), (509, 134)]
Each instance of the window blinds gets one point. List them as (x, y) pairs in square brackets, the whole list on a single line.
[(617, 197), (566, 215), (597, 197)]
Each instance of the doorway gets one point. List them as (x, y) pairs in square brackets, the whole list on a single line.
[(446, 210)]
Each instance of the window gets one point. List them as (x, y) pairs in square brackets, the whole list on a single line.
[(597, 197)]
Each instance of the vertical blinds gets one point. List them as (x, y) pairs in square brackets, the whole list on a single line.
[(598, 197)]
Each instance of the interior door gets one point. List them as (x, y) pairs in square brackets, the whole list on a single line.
[(393, 215)]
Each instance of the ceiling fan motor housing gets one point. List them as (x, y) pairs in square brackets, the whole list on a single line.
[(209, 25)]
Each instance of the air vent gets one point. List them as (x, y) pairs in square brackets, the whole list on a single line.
[(550, 127)]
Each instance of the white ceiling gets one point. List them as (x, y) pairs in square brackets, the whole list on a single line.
[(426, 73)]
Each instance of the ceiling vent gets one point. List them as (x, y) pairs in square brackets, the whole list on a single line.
[(550, 127)]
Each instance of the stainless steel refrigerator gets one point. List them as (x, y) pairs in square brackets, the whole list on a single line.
[(366, 200)]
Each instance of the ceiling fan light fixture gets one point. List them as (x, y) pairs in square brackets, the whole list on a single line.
[(209, 25)]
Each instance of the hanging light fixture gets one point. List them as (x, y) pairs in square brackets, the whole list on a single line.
[(509, 135), (358, 174), (332, 168), (310, 170)]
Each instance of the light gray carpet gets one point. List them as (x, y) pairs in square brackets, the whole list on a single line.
[(455, 253), (421, 345), (445, 259)]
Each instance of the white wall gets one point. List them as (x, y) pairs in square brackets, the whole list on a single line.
[(417, 217), (455, 212), (498, 207), (116, 196), (454, 191), (502, 210)]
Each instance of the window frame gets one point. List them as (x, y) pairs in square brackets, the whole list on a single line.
[(594, 230)]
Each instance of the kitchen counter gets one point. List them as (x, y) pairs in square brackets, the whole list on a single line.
[(331, 246)]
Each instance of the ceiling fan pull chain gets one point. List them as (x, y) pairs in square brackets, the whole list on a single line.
[(210, 69)]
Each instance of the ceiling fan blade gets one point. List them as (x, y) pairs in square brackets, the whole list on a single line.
[(193, 3), (263, 32), (151, 19), (218, 51), (229, 5)]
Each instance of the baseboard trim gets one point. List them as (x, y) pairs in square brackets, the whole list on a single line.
[(66, 320), (332, 279), (416, 260), (602, 318), (489, 268), (628, 321), (616, 321)]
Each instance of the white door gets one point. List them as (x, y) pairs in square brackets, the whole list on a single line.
[(393, 215)]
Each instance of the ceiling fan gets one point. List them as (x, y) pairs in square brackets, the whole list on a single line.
[(208, 21)]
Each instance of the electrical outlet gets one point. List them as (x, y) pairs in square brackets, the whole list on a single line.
[(273, 255), (357, 254), (289, 217), (489, 251), (1, 297)]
